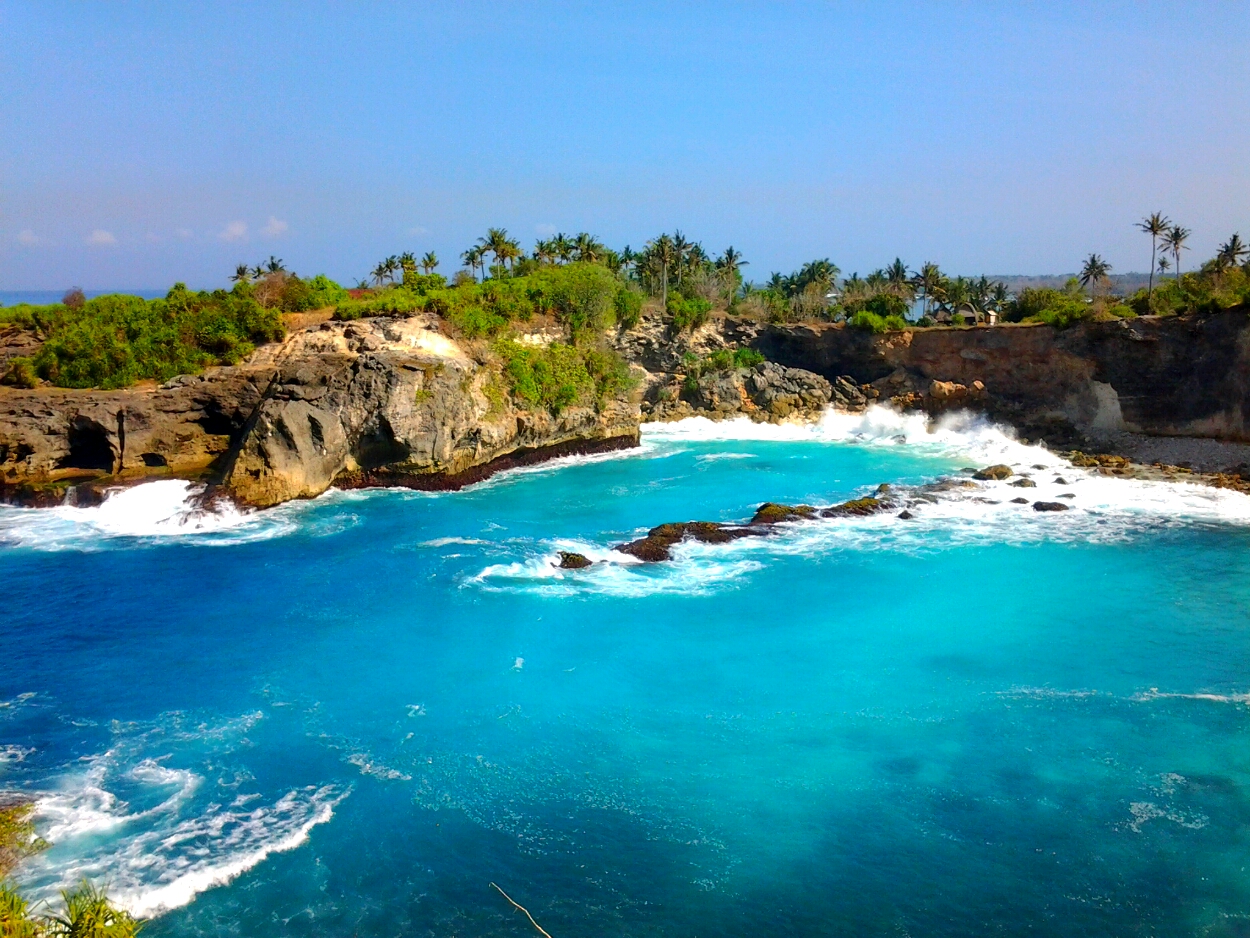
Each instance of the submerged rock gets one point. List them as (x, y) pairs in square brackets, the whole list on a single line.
[(1019, 501), (996, 473), (856, 506), (656, 545), (1050, 506), (1024, 484), (905, 515), (571, 560)]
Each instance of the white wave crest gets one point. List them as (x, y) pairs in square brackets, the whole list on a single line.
[(158, 858), (160, 510)]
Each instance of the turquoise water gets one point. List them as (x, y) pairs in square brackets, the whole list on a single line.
[(351, 716)]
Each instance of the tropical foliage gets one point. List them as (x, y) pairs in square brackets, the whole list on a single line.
[(86, 912), (113, 341)]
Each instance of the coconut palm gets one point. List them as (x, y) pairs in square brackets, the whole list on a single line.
[(1154, 225), (663, 253), (927, 280), (242, 274), (823, 273), (729, 264), (380, 273), (1164, 265), (544, 251), (258, 272), (587, 248), (680, 247), (1094, 272), (429, 261), (275, 265), (563, 247), (472, 258), (1231, 252), (1174, 240)]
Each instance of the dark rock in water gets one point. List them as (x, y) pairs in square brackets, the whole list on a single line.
[(882, 490), (570, 560), (1060, 480), (1019, 501), (1067, 495), (1050, 506), (773, 513), (906, 515), (1024, 484), (998, 472), (656, 545), (856, 506), (1039, 466)]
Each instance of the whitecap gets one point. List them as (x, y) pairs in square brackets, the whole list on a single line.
[(153, 511)]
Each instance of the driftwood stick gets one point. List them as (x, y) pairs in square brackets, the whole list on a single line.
[(525, 910)]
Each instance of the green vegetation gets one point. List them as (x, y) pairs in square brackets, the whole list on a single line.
[(561, 376), (86, 913), (18, 839), (876, 323), (722, 360), (114, 341)]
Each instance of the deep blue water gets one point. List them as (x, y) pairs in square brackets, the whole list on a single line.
[(363, 710)]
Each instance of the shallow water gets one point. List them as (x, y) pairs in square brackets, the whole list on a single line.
[(350, 716)]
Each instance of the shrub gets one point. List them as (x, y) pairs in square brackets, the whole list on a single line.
[(581, 295), (877, 324), (628, 305), (395, 301), (20, 373), (1059, 308), (114, 341), (323, 292), (475, 322), (559, 376), (688, 313)]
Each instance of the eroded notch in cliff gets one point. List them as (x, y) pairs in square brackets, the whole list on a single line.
[(89, 447), (378, 445)]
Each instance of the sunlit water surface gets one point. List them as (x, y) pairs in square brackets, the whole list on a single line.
[(351, 716)]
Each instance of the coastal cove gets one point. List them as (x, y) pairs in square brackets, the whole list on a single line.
[(351, 714)]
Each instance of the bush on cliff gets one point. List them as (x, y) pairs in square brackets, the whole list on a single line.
[(560, 376), (688, 314), (113, 341), (876, 324), (1059, 308)]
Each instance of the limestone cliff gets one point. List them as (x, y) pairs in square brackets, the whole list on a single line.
[(380, 401)]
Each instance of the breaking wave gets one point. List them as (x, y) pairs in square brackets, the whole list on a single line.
[(159, 835), (166, 510), (960, 513)]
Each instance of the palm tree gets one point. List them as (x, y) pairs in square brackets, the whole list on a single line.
[(275, 265), (562, 247), (498, 243), (681, 248), (664, 255), (1231, 252), (1174, 240), (429, 261), (588, 249), (927, 281), (472, 258), (1154, 225), (544, 251), (1094, 272), (729, 264), (258, 272), (1164, 264), (380, 273), (242, 274)]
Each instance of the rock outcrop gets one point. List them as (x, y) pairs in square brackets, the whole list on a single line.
[(380, 401), (764, 392), (1185, 376)]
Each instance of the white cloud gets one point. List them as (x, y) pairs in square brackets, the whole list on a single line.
[(419, 230), (184, 233), (275, 227), (544, 231), (235, 231), (28, 238), (101, 238)]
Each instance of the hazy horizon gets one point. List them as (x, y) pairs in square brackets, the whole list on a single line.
[(162, 144)]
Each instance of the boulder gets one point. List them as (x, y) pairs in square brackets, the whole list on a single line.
[(1024, 484), (570, 560), (997, 472), (774, 513), (1050, 506)]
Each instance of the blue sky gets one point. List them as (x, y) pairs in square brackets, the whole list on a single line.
[(147, 143)]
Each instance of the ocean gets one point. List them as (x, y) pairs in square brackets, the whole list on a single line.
[(353, 715)]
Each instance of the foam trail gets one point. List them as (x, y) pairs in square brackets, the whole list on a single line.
[(153, 511), (161, 857)]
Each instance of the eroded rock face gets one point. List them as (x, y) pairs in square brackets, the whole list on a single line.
[(374, 402), (765, 392)]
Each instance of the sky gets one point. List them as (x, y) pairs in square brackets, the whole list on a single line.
[(144, 143)]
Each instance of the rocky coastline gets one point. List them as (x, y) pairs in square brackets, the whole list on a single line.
[(397, 401)]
